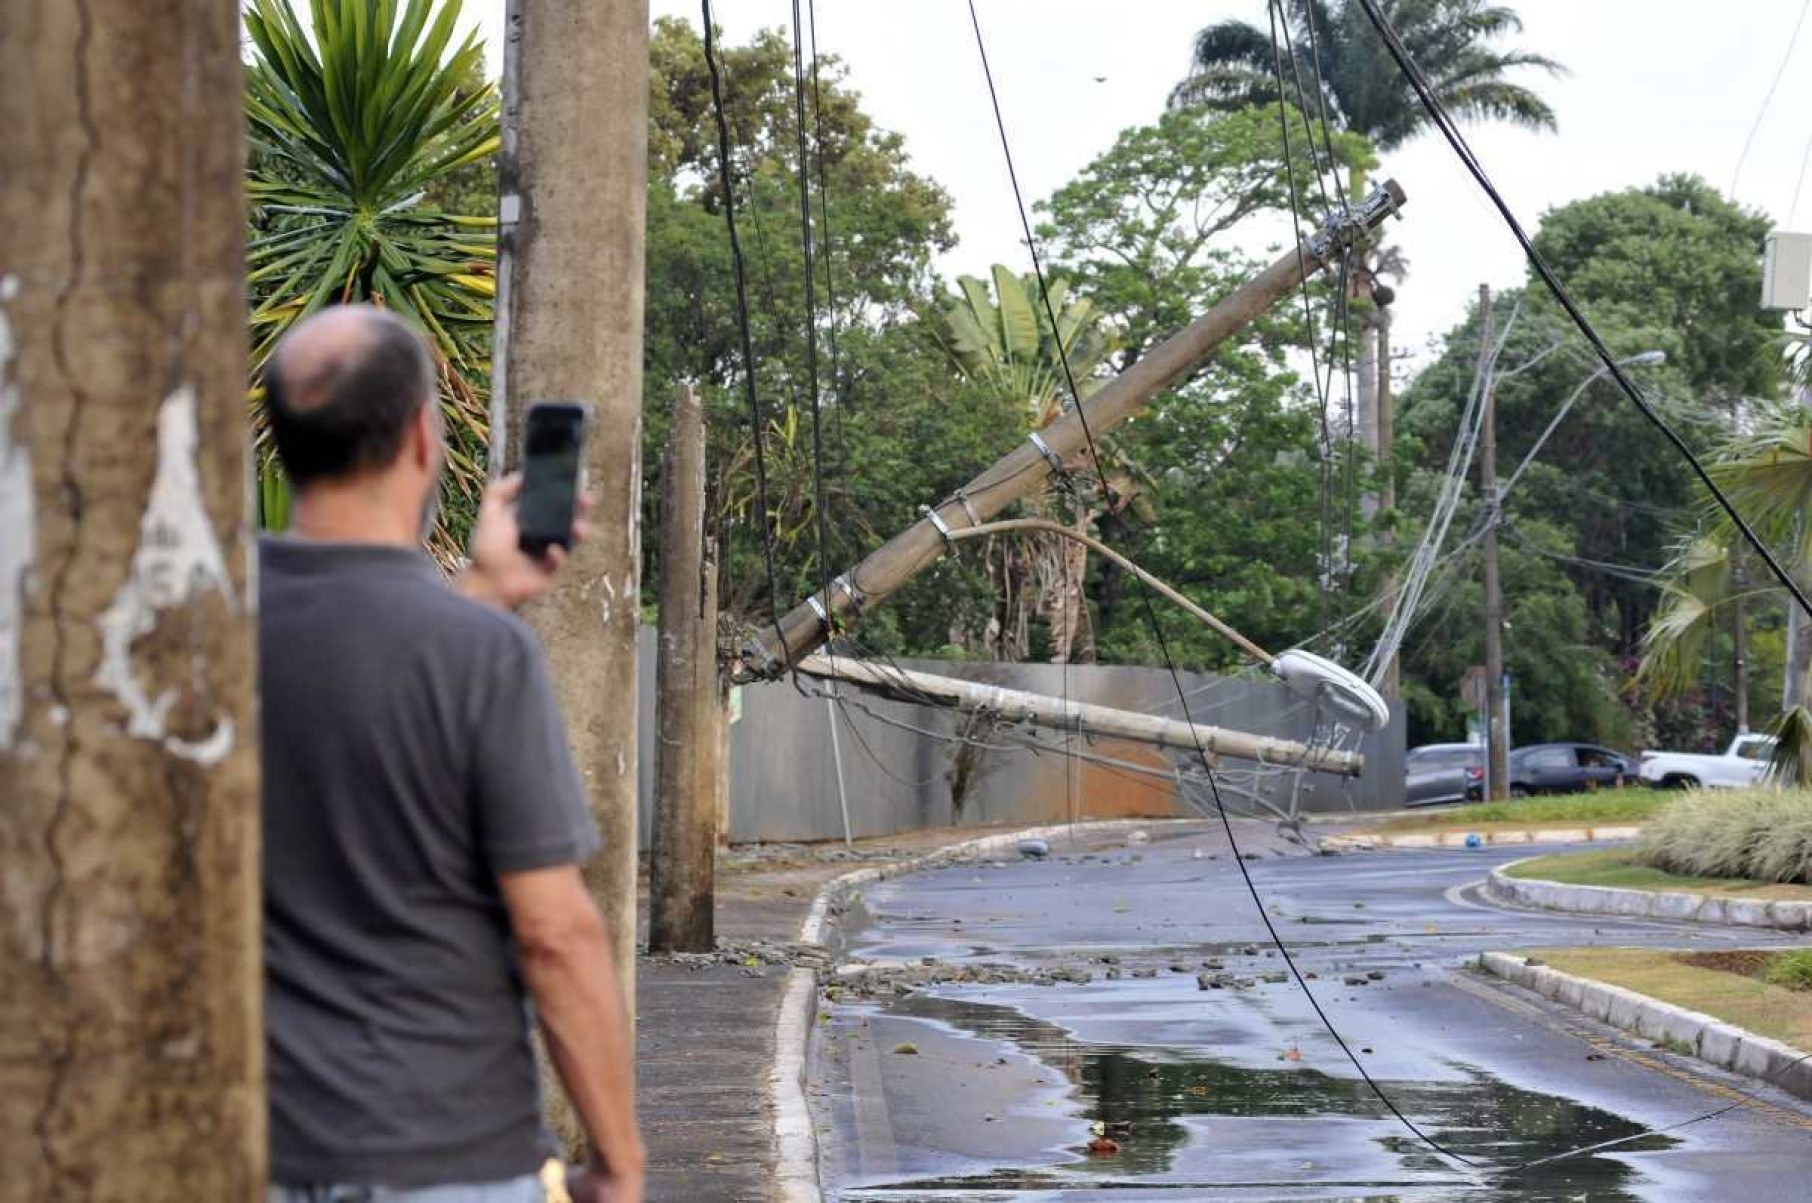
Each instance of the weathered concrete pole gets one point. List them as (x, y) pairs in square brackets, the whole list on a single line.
[(131, 1026), (683, 848), (571, 204)]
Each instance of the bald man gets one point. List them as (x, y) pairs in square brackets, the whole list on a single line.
[(423, 822)]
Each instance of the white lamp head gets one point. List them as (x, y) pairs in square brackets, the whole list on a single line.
[(1321, 680)]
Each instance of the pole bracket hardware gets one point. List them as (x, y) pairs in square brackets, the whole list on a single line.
[(943, 528), (962, 499), (1044, 449), (818, 609), (857, 599)]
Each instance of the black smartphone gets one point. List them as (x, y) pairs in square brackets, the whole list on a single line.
[(553, 474)]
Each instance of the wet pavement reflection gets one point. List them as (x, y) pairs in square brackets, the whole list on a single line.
[(1181, 1123)]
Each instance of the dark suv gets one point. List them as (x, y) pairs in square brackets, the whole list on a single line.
[(1438, 773)]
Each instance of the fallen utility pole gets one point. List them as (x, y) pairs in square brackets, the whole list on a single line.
[(1049, 451), (1021, 706)]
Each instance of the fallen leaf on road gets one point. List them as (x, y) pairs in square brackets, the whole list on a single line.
[(1102, 1146), (907, 1049)]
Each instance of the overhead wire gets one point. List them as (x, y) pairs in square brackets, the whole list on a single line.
[(1164, 648), (1456, 140), (1439, 116), (806, 244), (1768, 97), (739, 271)]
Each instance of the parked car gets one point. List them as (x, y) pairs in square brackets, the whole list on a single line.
[(1437, 773), (1743, 763), (1568, 769)]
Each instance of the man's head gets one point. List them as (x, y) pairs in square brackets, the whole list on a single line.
[(351, 397)]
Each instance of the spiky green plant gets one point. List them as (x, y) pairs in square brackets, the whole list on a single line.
[(1761, 834), (352, 120)]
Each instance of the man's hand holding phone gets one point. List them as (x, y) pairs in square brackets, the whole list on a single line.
[(500, 573)]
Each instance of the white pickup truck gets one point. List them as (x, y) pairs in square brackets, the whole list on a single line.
[(1742, 764)]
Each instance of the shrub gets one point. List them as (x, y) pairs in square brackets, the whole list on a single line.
[(1762, 834), (1791, 969)]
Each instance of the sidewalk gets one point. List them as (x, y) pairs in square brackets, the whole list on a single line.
[(705, 1028)]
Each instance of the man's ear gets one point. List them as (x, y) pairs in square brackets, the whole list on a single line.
[(424, 438)]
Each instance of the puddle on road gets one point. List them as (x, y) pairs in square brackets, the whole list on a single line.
[(1189, 1124)]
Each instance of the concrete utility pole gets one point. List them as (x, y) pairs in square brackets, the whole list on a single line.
[(1023, 706), (1061, 444), (572, 199), (1497, 727), (131, 1024), (683, 847)]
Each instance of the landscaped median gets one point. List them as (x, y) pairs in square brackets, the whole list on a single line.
[(1617, 883), (1570, 819), (1749, 1011)]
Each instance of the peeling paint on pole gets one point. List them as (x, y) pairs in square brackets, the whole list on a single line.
[(178, 562), (17, 530)]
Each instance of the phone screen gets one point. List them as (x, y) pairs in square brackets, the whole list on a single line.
[(552, 462)]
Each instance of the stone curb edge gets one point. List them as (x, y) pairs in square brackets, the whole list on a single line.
[(795, 1141), (1723, 1045), (1489, 839), (1647, 904)]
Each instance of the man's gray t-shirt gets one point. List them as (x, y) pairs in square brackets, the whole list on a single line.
[(413, 751)]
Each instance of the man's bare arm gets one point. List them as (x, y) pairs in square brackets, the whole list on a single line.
[(565, 953)]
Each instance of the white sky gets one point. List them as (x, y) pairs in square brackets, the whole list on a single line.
[(1655, 86)]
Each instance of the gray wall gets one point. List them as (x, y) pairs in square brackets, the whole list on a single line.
[(784, 780)]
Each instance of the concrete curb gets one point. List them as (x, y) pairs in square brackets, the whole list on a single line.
[(1723, 1045), (1360, 842), (1645, 904), (795, 1141)]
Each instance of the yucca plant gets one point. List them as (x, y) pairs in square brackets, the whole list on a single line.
[(353, 120)]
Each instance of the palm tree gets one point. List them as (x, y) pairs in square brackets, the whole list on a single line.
[(353, 124), (1346, 69), (1767, 474), (1006, 341), (1350, 79)]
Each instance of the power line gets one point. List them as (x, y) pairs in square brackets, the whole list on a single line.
[(1444, 122), (1163, 644), (1768, 98), (742, 318), (825, 568)]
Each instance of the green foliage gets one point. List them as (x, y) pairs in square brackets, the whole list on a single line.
[(1363, 90), (1227, 459), (1632, 805), (1790, 969), (1005, 340), (1669, 267), (1145, 229), (886, 224), (352, 121), (1762, 834), (1675, 256)]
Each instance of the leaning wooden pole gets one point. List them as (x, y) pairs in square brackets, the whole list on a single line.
[(1054, 448), (1022, 706), (131, 996), (683, 842)]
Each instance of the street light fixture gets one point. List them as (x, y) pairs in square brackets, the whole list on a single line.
[(1645, 359)]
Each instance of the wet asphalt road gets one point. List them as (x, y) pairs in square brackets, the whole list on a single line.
[(1239, 1093)]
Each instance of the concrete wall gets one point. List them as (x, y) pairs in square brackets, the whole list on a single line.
[(784, 784)]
